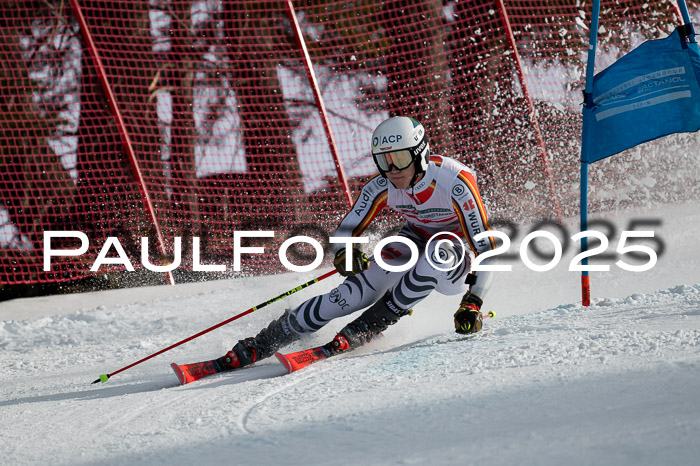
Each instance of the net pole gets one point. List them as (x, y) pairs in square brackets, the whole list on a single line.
[(590, 67), (531, 106), (319, 102), (685, 15), (123, 133)]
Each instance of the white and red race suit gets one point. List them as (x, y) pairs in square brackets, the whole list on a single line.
[(445, 203)]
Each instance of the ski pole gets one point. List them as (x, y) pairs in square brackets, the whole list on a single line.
[(104, 377)]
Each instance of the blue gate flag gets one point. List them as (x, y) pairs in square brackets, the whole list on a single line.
[(651, 92)]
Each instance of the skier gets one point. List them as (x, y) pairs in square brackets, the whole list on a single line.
[(437, 196)]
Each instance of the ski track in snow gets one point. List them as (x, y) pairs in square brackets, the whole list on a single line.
[(548, 381)]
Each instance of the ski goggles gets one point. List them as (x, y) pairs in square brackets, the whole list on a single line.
[(400, 159)]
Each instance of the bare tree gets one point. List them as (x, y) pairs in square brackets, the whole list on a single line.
[(109, 200), (176, 75), (39, 189), (417, 67), (255, 52)]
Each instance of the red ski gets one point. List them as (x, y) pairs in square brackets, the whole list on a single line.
[(299, 360), (187, 373)]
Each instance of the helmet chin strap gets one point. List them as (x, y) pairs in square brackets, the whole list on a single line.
[(416, 178)]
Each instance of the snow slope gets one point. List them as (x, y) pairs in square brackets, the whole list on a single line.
[(547, 382)]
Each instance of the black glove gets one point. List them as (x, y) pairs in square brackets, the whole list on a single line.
[(468, 317), (360, 263)]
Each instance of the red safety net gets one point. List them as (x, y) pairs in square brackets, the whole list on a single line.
[(173, 118)]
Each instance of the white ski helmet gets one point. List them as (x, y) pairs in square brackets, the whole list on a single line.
[(400, 141)]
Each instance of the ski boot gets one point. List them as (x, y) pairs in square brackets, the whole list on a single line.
[(368, 326), (263, 345)]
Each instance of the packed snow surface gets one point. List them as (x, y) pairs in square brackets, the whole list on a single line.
[(548, 381)]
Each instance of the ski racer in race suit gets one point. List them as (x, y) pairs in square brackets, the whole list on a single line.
[(437, 196)]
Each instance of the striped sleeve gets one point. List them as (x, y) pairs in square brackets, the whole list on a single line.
[(470, 211), (371, 200)]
